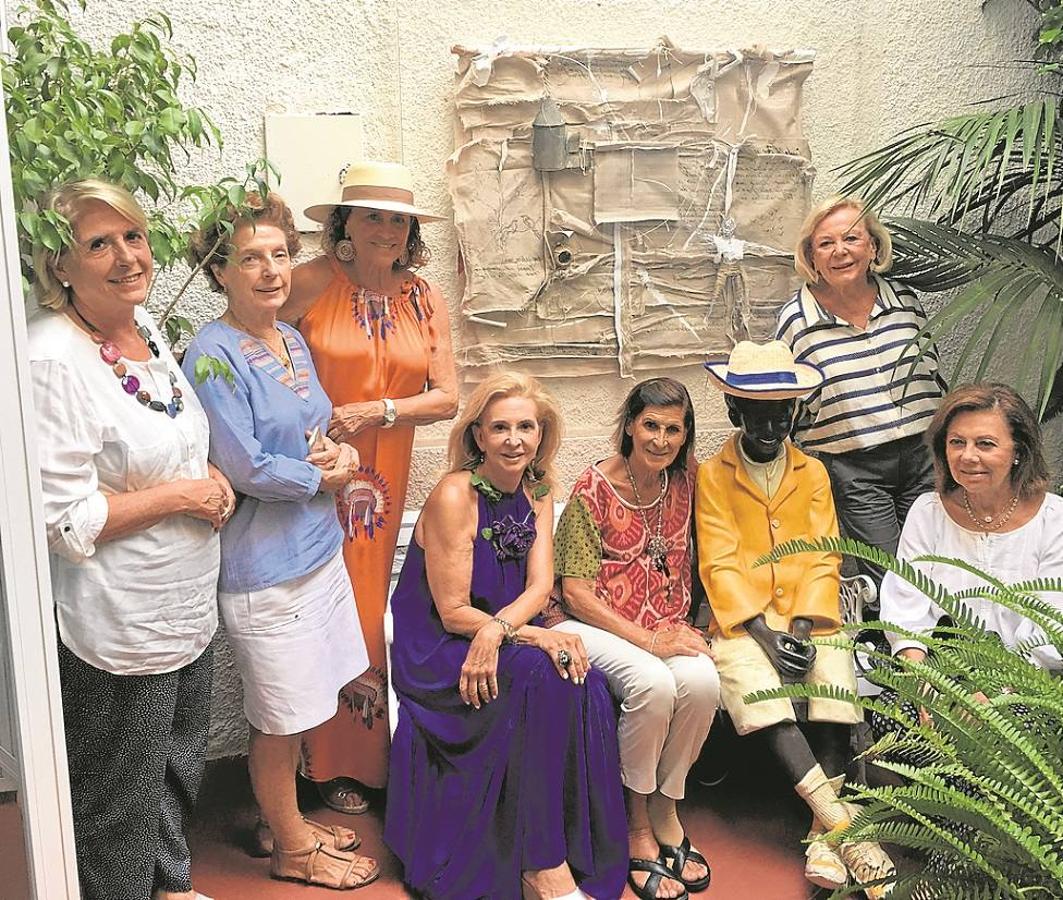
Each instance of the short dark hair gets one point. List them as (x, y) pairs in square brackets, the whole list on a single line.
[(336, 230), (1030, 475), (271, 211), (656, 392)]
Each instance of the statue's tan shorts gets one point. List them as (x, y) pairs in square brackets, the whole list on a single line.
[(744, 668)]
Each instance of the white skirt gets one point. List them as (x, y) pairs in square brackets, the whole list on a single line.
[(296, 644)]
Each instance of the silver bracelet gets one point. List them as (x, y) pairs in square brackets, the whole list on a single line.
[(509, 633)]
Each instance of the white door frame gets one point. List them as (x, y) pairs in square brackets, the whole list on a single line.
[(44, 792)]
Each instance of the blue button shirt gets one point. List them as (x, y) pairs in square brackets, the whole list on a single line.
[(283, 527)]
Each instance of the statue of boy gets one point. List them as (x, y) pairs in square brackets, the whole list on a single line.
[(757, 492)]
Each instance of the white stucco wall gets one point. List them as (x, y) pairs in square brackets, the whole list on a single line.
[(880, 67)]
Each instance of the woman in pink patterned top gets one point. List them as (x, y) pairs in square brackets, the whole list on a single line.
[(622, 558)]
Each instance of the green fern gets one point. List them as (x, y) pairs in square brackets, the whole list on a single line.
[(982, 786)]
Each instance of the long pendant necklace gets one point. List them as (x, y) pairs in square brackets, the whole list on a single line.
[(111, 354), (987, 523), (656, 545)]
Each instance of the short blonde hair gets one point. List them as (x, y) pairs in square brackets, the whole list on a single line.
[(803, 251), (464, 454), (67, 200)]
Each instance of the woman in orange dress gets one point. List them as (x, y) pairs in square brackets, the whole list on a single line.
[(379, 336)]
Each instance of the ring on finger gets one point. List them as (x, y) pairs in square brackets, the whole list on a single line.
[(563, 658)]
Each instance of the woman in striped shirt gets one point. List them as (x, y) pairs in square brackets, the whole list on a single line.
[(867, 419)]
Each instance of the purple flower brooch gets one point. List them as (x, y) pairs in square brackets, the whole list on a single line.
[(510, 538)]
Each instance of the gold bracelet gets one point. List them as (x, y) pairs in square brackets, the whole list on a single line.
[(653, 641), (509, 633)]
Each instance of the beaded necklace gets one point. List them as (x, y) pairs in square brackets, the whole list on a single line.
[(111, 354), (656, 545), (987, 523)]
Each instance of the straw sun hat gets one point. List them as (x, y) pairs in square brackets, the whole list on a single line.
[(375, 185), (764, 372)]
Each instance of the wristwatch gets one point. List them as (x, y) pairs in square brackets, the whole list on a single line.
[(390, 413)]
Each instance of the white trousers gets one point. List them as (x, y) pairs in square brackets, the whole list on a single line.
[(666, 708)]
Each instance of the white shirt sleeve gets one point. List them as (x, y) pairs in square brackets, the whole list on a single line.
[(902, 603), (1049, 564), (68, 438)]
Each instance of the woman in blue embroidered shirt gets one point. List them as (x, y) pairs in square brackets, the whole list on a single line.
[(284, 593)]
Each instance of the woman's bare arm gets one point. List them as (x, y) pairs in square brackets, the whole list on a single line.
[(582, 603), (440, 401), (132, 511), (446, 530), (309, 279)]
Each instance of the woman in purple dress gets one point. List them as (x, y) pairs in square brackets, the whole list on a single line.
[(505, 772)]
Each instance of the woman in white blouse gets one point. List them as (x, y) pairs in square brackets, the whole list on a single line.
[(132, 511), (991, 510)]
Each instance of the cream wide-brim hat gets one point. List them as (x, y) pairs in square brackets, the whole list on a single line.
[(375, 185), (764, 372)]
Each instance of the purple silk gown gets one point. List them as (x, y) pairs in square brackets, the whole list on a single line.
[(476, 796)]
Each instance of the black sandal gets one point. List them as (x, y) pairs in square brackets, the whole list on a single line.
[(657, 870), (679, 857)]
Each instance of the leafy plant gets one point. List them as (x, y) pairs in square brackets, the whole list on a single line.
[(988, 188), (77, 112), (981, 783), (214, 206)]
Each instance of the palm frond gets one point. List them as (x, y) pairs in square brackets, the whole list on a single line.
[(964, 163), (1012, 289)]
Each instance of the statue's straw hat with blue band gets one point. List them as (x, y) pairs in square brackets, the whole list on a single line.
[(764, 372)]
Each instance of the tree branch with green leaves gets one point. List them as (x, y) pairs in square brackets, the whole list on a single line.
[(75, 112)]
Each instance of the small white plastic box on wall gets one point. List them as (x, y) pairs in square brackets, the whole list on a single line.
[(311, 151)]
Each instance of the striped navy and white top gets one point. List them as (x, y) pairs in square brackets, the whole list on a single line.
[(863, 401)]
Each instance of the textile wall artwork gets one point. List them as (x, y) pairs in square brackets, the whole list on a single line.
[(624, 210)]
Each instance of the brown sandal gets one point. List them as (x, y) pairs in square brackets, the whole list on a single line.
[(322, 865), (344, 795), (330, 835)]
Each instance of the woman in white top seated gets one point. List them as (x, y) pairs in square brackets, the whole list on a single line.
[(991, 510), (132, 510)]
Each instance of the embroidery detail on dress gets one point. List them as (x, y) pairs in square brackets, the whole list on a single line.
[(373, 311), (259, 355), (366, 696), (365, 504), (415, 296)]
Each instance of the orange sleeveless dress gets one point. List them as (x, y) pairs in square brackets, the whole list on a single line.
[(365, 347)]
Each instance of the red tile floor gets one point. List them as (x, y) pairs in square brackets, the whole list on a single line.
[(14, 873), (750, 827)]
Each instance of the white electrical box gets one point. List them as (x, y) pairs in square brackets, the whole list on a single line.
[(311, 151)]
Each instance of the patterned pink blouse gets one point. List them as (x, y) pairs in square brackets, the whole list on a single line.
[(601, 537)]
